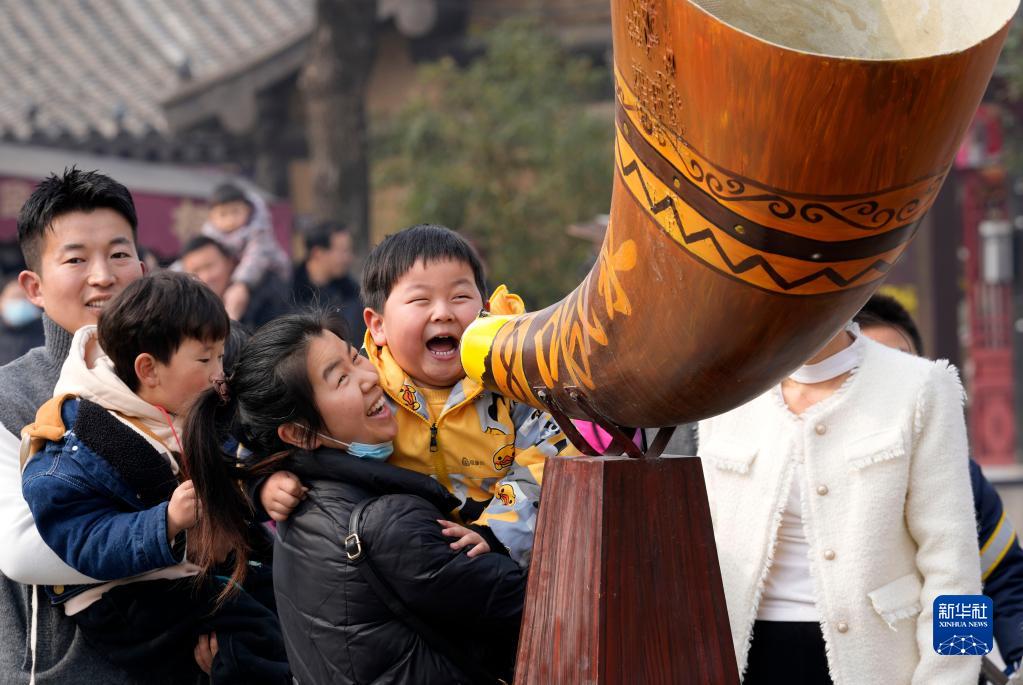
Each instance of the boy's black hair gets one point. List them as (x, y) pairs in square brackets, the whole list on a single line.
[(319, 235), (155, 314), (884, 310), (200, 241), (228, 192), (73, 191), (398, 253)]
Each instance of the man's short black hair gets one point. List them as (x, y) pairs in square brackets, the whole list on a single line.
[(319, 235), (228, 192), (200, 241), (884, 310), (398, 253), (73, 191), (156, 314)]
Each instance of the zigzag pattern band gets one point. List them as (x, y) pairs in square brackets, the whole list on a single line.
[(793, 261)]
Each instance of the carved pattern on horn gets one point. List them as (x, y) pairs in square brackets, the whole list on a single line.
[(732, 257), (885, 209)]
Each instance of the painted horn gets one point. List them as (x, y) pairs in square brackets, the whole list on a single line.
[(772, 160)]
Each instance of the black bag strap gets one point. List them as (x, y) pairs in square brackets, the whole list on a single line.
[(358, 556)]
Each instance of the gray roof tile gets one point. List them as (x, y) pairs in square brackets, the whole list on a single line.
[(79, 69)]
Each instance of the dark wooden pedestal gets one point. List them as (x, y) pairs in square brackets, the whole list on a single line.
[(624, 586)]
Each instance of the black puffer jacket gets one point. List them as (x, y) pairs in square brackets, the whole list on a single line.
[(336, 629)]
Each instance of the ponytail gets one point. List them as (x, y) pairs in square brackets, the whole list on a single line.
[(226, 511), (269, 387)]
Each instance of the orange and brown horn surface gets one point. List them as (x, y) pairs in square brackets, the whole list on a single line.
[(772, 160)]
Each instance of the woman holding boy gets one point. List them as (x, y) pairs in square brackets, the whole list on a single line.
[(422, 287), (369, 586)]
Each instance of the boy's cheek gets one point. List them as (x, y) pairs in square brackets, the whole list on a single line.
[(409, 356)]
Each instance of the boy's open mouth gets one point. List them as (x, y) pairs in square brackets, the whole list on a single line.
[(443, 346)]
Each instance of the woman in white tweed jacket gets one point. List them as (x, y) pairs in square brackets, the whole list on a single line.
[(845, 502)]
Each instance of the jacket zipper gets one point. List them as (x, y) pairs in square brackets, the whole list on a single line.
[(439, 467)]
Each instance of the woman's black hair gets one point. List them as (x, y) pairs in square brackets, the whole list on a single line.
[(236, 339), (267, 388)]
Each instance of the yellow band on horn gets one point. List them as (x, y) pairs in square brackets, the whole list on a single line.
[(476, 342)]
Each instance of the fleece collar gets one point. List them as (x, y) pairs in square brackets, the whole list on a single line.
[(89, 374)]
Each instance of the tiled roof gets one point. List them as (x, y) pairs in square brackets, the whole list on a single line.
[(81, 69)]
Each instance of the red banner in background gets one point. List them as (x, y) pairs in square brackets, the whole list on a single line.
[(989, 281)]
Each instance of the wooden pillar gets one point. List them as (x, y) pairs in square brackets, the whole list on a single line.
[(334, 82), (624, 585)]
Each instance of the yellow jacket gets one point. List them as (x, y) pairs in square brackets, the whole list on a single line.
[(487, 450)]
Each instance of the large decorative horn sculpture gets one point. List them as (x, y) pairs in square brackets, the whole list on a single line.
[(772, 160)]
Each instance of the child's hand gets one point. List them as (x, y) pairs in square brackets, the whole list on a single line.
[(205, 651), (280, 494), (465, 537), (183, 510), (236, 300)]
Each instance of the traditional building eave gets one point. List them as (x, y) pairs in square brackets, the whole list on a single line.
[(230, 96)]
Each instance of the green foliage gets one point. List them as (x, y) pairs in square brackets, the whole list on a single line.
[(1007, 89), (507, 152), (1010, 64)]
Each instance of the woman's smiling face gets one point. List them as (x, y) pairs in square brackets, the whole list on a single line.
[(347, 394)]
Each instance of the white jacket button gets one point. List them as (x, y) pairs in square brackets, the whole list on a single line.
[(822, 490), (821, 429), (842, 627), (829, 554)]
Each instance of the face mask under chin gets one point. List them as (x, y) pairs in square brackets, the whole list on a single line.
[(373, 451)]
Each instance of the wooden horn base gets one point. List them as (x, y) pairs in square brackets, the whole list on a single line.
[(625, 585)]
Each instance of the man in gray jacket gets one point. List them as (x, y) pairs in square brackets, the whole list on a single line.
[(77, 233)]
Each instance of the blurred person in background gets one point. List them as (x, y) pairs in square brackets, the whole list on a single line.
[(323, 278), (21, 322), (241, 222), (149, 259), (214, 264), (886, 321)]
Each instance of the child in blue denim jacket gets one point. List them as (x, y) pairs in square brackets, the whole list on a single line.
[(109, 494)]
